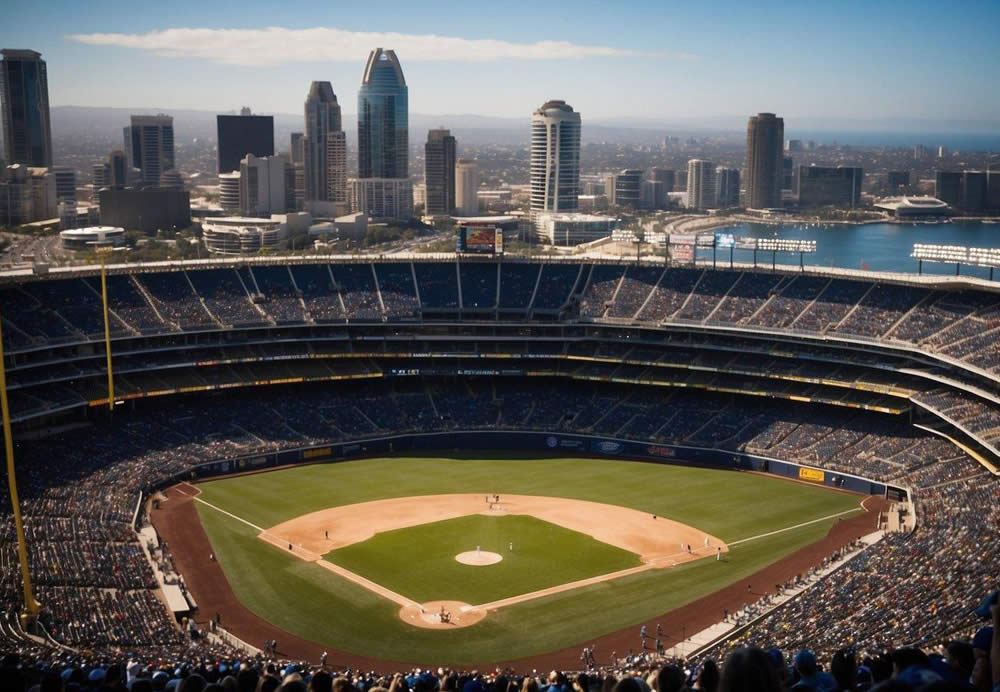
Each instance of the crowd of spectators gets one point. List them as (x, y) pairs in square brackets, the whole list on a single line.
[(604, 280), (960, 663), (958, 324), (80, 491), (274, 289), (226, 297)]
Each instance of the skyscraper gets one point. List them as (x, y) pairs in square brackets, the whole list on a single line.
[(24, 97), (118, 163), (727, 187), (243, 134), (665, 176), (701, 184), (322, 121), (149, 146), (383, 188), (555, 158), (627, 188), (826, 185), (466, 187), (383, 118), (439, 173), (948, 187), (765, 137), (263, 185)]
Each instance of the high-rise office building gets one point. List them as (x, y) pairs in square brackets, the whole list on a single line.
[(297, 147), (665, 176), (787, 174), (149, 146), (24, 99), (383, 118), (383, 139), (439, 173), (243, 134), (765, 137), (118, 163), (628, 188), (555, 158), (100, 173), (264, 185), (653, 196), (826, 185), (322, 112), (974, 191), (700, 184), (336, 167), (298, 157), (948, 187), (727, 187), (65, 183), (466, 187)]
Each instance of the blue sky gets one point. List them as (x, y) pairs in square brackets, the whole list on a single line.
[(650, 59)]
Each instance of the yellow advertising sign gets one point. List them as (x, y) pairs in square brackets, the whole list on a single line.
[(811, 475)]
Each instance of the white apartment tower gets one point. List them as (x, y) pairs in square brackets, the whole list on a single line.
[(701, 184), (555, 158), (264, 185)]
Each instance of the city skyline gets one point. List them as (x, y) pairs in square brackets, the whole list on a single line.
[(762, 58)]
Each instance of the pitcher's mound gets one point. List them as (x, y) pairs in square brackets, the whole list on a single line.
[(428, 615), (478, 557)]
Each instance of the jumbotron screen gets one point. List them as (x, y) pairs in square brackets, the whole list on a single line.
[(480, 239)]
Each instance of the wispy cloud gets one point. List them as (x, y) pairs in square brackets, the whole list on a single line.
[(276, 45)]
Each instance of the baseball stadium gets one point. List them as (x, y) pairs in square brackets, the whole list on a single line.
[(493, 463)]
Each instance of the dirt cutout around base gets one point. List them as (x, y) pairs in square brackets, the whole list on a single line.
[(658, 542), (441, 615)]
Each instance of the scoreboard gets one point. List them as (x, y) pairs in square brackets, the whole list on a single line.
[(479, 239)]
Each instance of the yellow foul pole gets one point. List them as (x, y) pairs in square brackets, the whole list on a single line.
[(107, 335), (31, 606)]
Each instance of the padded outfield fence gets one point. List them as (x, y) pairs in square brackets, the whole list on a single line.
[(542, 442)]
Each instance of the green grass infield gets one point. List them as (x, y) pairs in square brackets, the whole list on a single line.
[(419, 561)]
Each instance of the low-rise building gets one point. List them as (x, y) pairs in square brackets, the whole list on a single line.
[(92, 237), (573, 228), (914, 207)]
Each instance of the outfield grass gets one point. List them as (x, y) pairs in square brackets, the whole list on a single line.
[(315, 604), (429, 572)]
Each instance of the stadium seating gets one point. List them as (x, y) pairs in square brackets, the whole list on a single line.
[(858, 344)]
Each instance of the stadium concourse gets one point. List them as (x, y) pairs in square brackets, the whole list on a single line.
[(887, 378)]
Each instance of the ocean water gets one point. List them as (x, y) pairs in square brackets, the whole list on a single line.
[(955, 141), (878, 246)]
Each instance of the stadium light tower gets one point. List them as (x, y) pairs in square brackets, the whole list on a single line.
[(31, 606)]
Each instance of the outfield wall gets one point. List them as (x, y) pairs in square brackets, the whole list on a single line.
[(542, 443)]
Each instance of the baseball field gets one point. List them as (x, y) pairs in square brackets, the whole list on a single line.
[(526, 555)]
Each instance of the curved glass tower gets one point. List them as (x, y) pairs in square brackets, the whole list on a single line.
[(383, 121), (555, 158)]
